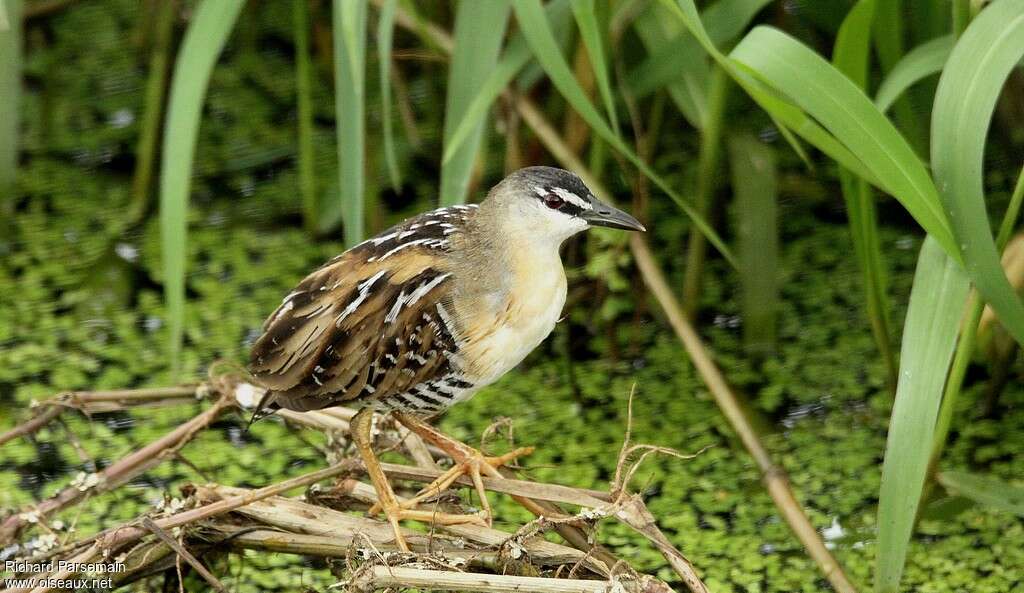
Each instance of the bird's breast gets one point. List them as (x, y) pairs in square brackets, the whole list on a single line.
[(514, 321)]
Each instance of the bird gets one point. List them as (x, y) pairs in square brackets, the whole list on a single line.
[(425, 314)]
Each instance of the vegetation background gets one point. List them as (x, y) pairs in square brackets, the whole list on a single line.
[(169, 169)]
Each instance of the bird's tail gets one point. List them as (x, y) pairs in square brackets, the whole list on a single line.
[(266, 407)]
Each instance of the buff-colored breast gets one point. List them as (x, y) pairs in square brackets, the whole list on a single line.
[(509, 324)]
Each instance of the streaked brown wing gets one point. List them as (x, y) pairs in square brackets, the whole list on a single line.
[(365, 325)]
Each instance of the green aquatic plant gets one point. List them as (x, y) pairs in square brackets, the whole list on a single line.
[(474, 56), (349, 20), (202, 45), (10, 92)]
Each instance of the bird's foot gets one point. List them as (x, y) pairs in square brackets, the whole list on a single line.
[(469, 462), (396, 510)]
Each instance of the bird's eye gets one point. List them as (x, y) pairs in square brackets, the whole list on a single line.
[(554, 202)]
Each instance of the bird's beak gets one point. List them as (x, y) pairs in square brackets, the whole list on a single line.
[(604, 215)]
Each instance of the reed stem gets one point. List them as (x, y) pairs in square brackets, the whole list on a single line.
[(10, 93), (707, 181), (153, 111), (304, 104)]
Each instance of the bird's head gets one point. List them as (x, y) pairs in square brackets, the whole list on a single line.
[(554, 203)]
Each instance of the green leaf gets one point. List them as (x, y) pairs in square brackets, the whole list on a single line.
[(851, 57), (971, 82), (586, 20), (516, 55), (853, 43), (673, 55), (385, 32), (985, 490), (304, 99), (538, 34), (677, 64), (843, 109), (754, 181), (929, 335), (349, 93), (205, 38), (473, 59), (146, 150), (10, 92), (889, 31), (790, 118), (921, 62)]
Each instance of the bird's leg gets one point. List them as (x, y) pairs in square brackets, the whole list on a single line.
[(468, 461), (359, 427)]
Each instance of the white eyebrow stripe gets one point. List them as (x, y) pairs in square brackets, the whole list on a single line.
[(572, 198)]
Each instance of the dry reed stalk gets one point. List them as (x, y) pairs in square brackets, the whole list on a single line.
[(90, 402), (301, 517), (110, 541), (539, 491), (335, 420), (184, 554), (30, 426), (115, 539), (323, 531), (383, 577), (116, 474), (630, 510)]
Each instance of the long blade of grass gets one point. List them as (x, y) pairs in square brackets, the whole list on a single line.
[(985, 490), (791, 82), (563, 27), (961, 10), (349, 18), (888, 33), (205, 38), (304, 101), (929, 335), (586, 20), (515, 57), (686, 83), (153, 111), (677, 62), (385, 33), (851, 57), (969, 333), (10, 93), (474, 57), (853, 43), (835, 101), (673, 57), (755, 184), (919, 63), (790, 118), (707, 177), (530, 15), (971, 82)]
